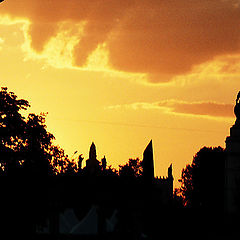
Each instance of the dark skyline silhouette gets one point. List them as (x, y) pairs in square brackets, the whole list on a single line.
[(49, 195), (140, 95)]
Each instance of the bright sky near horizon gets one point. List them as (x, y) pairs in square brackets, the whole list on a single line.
[(120, 73)]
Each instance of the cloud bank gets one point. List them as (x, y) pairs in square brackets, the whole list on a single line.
[(160, 38), (207, 109)]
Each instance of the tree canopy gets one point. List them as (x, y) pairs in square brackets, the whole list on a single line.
[(133, 169), (25, 144), (202, 180)]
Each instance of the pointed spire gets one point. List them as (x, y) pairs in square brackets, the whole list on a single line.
[(148, 166), (92, 164), (149, 148), (170, 175), (92, 152)]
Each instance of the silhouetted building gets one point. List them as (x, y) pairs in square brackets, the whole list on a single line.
[(109, 206), (232, 168), (170, 180), (80, 159), (164, 188), (160, 187), (164, 183), (148, 167), (104, 163), (92, 164)]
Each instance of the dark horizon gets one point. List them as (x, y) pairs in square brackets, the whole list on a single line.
[(51, 195), (119, 119)]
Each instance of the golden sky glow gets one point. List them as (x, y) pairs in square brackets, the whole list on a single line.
[(120, 73)]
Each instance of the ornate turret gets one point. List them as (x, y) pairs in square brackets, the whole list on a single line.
[(92, 164), (104, 163), (237, 110), (232, 142), (92, 152), (80, 160), (232, 166)]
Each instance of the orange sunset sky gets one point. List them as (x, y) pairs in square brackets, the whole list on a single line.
[(120, 73)]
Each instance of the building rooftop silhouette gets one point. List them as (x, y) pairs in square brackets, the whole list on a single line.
[(109, 203), (148, 164), (92, 164), (232, 169)]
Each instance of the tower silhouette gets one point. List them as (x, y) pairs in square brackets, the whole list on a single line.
[(148, 167), (232, 168), (92, 164)]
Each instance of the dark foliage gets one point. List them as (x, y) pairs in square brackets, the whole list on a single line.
[(39, 180), (132, 169), (26, 146), (202, 180)]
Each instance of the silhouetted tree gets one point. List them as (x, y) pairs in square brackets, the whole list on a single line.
[(202, 180), (38, 146), (12, 130), (25, 144), (58, 159), (177, 198), (61, 163), (109, 171), (133, 169)]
